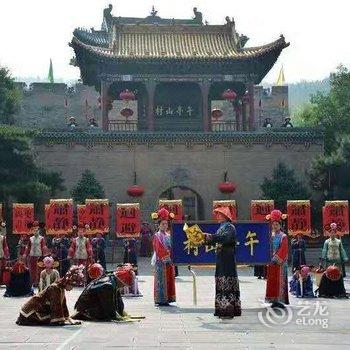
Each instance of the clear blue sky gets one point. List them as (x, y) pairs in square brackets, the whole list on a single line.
[(34, 31)]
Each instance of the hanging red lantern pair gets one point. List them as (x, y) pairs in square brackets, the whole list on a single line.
[(229, 95), (127, 95)]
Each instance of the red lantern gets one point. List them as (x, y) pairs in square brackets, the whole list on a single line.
[(216, 113), (126, 112), (227, 187), (229, 95), (135, 191), (127, 95)]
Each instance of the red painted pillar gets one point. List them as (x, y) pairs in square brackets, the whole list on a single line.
[(205, 86), (151, 88), (104, 106), (251, 118)]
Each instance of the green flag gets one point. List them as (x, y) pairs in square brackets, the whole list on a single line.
[(50, 75)]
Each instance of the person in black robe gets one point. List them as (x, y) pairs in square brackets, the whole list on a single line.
[(101, 299), (60, 246), (130, 255), (19, 284), (99, 249), (298, 252), (227, 294), (260, 271), (332, 284)]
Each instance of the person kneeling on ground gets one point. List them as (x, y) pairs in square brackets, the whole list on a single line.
[(19, 284), (301, 283), (49, 307), (332, 284), (101, 299)]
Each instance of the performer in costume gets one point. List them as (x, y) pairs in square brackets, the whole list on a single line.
[(164, 271), (19, 285), (36, 249), (227, 293), (277, 271), (333, 252), (49, 307), (130, 255), (332, 284), (4, 250), (146, 240), (22, 245), (301, 283), (49, 275), (298, 252), (101, 299), (60, 245), (99, 248), (80, 250), (132, 290)]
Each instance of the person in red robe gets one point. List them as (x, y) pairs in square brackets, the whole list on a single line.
[(35, 251), (277, 270), (4, 250), (164, 270)]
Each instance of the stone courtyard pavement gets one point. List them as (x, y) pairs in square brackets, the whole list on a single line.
[(315, 324)]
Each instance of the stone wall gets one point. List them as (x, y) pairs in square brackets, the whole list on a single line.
[(44, 105), (199, 167)]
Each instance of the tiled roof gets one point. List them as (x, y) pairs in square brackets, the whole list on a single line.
[(174, 42)]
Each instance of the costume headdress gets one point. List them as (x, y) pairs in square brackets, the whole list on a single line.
[(163, 214), (125, 274), (224, 211), (74, 276), (48, 263), (276, 215), (95, 271)]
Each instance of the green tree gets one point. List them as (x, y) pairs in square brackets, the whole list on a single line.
[(283, 186), (329, 175), (9, 97), (331, 111), (21, 178), (87, 187)]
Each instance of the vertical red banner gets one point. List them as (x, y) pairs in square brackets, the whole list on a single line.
[(231, 204), (299, 217), (338, 212), (22, 216), (174, 206), (97, 214), (128, 220), (59, 217), (260, 208), (82, 218)]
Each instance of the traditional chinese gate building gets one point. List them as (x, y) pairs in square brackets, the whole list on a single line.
[(177, 69)]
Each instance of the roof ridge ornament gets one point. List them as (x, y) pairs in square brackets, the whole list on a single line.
[(153, 12)]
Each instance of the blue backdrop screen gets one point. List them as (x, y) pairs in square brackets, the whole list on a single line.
[(253, 244)]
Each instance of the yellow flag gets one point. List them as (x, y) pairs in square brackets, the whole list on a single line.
[(281, 80)]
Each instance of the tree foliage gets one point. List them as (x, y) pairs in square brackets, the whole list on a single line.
[(9, 97), (330, 174), (331, 111), (21, 178), (87, 187), (283, 186)]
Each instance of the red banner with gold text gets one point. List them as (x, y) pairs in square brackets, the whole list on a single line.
[(59, 217), (338, 212), (231, 204), (22, 216), (174, 206), (299, 217), (97, 215), (128, 220), (260, 208)]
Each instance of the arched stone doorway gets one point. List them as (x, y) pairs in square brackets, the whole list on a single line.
[(192, 201)]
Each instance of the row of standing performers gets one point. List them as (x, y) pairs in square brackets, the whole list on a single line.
[(227, 292), (77, 250)]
